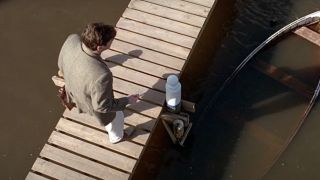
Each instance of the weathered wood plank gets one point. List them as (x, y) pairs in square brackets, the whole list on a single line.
[(143, 107), (207, 3), (157, 33), (92, 151), (140, 121), (284, 78), (309, 35), (98, 137), (126, 87), (138, 64), (183, 6), (139, 136), (148, 55), (81, 164), (154, 44), (167, 12), (131, 118), (33, 176), (136, 77), (151, 95), (56, 171), (146, 108), (161, 22)]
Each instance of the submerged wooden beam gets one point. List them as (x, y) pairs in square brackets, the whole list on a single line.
[(284, 78), (309, 35)]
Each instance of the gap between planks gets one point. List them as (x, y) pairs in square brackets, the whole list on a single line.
[(160, 22), (153, 44), (138, 64), (140, 136), (80, 163), (206, 3), (155, 32), (167, 13), (147, 54), (183, 6)]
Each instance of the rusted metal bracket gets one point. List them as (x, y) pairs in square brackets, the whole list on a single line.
[(168, 119)]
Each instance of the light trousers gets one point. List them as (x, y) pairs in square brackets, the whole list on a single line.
[(115, 128)]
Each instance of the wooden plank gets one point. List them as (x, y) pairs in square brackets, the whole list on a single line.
[(188, 106), (143, 107), (183, 6), (154, 44), (92, 151), (131, 118), (137, 77), (207, 3), (81, 164), (138, 64), (155, 32), (33, 176), (167, 13), (98, 137), (139, 136), (148, 55), (125, 87), (151, 95), (140, 121), (309, 35), (284, 78), (161, 22), (146, 108), (56, 171)]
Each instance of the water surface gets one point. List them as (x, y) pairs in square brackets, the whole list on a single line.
[(31, 35), (237, 136)]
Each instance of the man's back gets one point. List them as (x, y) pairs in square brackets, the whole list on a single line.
[(82, 69)]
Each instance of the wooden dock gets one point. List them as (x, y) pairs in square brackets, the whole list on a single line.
[(154, 39)]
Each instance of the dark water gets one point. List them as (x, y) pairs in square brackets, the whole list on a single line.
[(237, 136), (31, 35)]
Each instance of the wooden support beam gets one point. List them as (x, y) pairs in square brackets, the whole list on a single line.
[(309, 35), (284, 78)]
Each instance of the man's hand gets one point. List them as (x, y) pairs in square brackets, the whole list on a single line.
[(133, 98)]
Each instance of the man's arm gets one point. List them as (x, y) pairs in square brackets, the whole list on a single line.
[(102, 96)]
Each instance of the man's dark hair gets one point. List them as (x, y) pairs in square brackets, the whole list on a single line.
[(97, 34)]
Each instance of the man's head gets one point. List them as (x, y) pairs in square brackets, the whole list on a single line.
[(98, 36)]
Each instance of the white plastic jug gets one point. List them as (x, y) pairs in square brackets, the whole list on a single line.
[(173, 93)]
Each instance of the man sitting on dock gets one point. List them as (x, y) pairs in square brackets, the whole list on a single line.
[(88, 80)]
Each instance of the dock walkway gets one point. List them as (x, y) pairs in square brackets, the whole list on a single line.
[(154, 39)]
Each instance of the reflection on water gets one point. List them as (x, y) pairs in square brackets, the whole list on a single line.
[(301, 159), (241, 132), (31, 35), (268, 112)]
